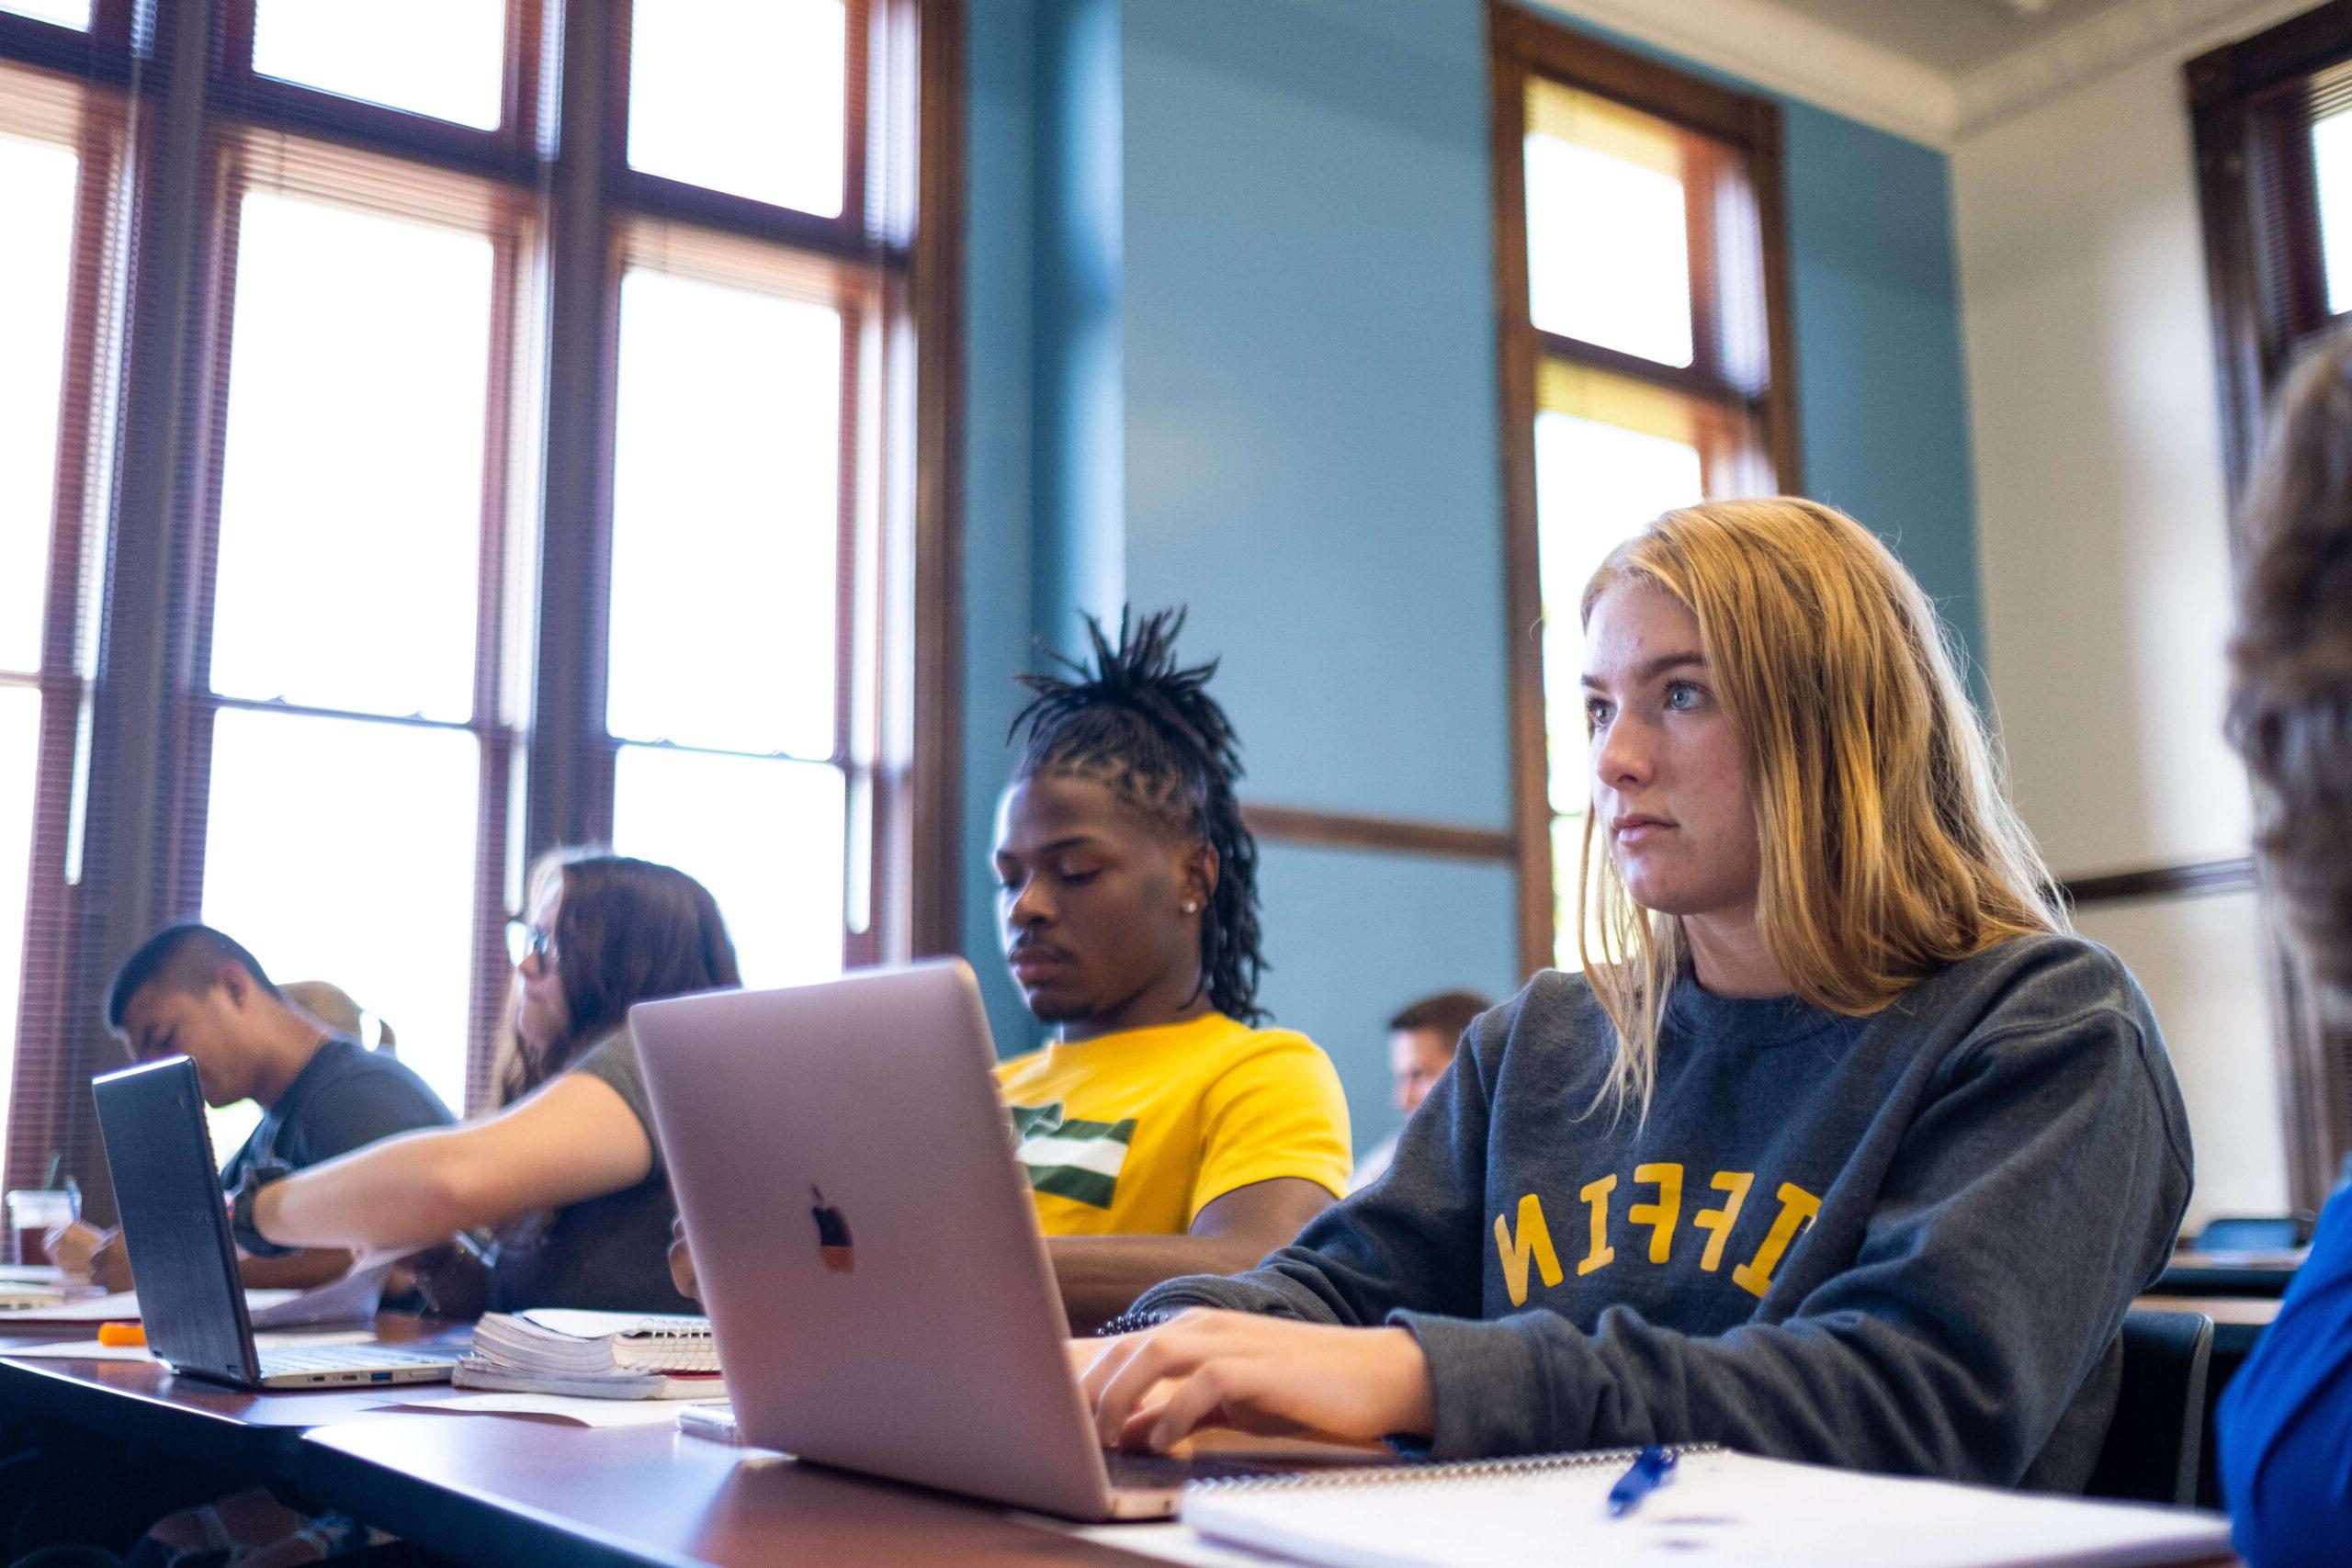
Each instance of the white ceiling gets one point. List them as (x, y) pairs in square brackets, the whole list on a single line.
[(1953, 35), (1937, 71)]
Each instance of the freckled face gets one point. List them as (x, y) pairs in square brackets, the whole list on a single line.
[(1669, 788)]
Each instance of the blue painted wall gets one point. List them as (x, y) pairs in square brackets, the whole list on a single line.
[(999, 500), (1353, 936), (1311, 405), (1881, 392), (1287, 206)]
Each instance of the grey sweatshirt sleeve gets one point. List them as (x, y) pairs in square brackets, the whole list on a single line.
[(1410, 1240), (2021, 1212)]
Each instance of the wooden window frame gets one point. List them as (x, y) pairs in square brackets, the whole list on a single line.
[(77, 538), (1522, 47), (2265, 287), (128, 749)]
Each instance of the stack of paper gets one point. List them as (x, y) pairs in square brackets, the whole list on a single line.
[(608, 1354)]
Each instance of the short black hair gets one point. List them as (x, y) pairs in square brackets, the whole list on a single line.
[(184, 956), (1447, 1013), (1136, 721)]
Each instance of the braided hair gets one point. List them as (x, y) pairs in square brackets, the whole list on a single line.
[(1151, 732)]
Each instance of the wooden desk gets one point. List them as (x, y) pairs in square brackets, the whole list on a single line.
[(492, 1489), (242, 1434), (2193, 1273)]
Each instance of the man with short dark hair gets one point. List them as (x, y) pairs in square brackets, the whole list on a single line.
[(1421, 1039), (191, 990)]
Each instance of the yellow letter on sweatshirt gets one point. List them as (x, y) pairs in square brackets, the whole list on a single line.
[(1797, 1207), (1534, 1241), (1603, 1255), (1719, 1221), (1661, 1215)]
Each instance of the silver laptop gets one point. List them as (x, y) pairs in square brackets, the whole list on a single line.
[(867, 1248), (191, 1303)]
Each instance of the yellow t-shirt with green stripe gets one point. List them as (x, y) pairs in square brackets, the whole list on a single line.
[(1137, 1133)]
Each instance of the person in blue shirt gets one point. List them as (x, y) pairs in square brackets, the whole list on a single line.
[(2284, 1425)]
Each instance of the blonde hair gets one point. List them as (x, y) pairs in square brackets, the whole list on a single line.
[(1889, 848)]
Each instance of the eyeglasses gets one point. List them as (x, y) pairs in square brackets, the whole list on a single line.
[(524, 940)]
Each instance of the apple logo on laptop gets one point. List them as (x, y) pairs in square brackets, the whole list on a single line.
[(832, 1234)]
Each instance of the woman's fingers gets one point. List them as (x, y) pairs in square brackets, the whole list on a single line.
[(1200, 1400)]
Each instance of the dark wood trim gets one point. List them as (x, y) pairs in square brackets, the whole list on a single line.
[(1581, 59), (2232, 290), (2188, 879), (1522, 584), (1686, 381), (655, 197), (935, 874), (489, 981), (569, 789), (1784, 437), (1398, 835), (2296, 47)]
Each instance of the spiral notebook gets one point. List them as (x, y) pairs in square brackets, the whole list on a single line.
[(1718, 1507), (597, 1344)]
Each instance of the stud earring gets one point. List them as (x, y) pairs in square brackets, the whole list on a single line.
[(1191, 907)]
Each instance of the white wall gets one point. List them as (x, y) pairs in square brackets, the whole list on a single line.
[(2104, 557)]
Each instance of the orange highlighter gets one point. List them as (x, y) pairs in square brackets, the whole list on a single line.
[(121, 1334)]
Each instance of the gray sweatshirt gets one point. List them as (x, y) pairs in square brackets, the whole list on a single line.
[(1902, 1242)]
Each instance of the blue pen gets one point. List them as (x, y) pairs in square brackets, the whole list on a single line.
[(1648, 1473)]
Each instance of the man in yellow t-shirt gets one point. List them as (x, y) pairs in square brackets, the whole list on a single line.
[(1163, 1133), (1141, 1130)]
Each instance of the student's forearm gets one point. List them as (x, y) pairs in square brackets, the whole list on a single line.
[(1100, 1275), (400, 1193)]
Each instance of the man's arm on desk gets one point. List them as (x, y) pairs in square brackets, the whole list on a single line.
[(96, 1253), (1100, 1275)]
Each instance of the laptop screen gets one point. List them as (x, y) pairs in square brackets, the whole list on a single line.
[(173, 1220)]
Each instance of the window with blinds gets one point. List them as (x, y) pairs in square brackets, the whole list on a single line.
[(1645, 366), (521, 411)]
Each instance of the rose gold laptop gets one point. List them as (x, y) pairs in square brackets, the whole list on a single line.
[(867, 1246)]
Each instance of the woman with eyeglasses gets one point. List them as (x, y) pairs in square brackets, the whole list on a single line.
[(564, 1176)]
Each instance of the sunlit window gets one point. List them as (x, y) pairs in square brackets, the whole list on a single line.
[(64, 13), (2332, 163), (36, 184), (1647, 336), (342, 849), (726, 486), (746, 96), (726, 510), (442, 57), (764, 834), (1607, 236), (1610, 454), (474, 509), (353, 475)]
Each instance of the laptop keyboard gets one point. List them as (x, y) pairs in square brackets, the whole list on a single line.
[(348, 1358)]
